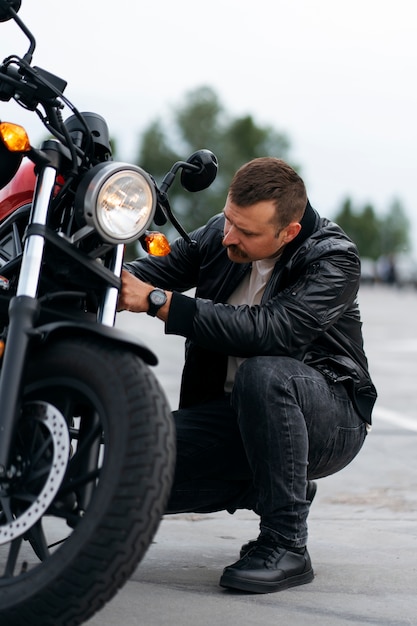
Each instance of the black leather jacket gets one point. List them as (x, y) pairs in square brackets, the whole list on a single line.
[(308, 311)]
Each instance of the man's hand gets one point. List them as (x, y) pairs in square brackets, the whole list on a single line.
[(134, 293)]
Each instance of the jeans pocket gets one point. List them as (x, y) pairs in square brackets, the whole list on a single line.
[(339, 451)]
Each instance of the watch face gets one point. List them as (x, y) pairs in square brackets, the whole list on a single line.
[(158, 298)]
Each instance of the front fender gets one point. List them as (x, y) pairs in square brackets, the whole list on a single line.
[(109, 333)]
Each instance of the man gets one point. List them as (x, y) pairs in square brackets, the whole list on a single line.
[(275, 389)]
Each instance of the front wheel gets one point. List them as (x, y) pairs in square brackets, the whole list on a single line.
[(92, 470)]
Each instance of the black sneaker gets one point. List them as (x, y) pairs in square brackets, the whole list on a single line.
[(268, 567), (311, 492)]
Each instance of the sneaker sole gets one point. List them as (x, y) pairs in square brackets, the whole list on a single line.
[(231, 581)]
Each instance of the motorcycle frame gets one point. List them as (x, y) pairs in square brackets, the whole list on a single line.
[(24, 308)]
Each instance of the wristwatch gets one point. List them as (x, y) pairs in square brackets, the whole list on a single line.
[(156, 299)]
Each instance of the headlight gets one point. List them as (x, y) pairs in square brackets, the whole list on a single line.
[(118, 200)]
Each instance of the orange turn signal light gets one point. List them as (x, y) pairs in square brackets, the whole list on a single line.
[(157, 244), (14, 137), (2, 347)]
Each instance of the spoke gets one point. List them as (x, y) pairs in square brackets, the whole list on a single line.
[(86, 461), (40, 473), (84, 447), (66, 406), (12, 558), (37, 540), (41, 450), (6, 508), (25, 497)]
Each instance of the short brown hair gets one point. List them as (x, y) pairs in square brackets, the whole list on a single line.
[(269, 178)]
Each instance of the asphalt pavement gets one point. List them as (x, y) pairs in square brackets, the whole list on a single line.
[(362, 525)]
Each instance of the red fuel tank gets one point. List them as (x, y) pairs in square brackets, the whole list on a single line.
[(19, 190)]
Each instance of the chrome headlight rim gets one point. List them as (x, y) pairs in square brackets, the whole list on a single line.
[(90, 195)]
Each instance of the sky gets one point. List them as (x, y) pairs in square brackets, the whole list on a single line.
[(338, 78)]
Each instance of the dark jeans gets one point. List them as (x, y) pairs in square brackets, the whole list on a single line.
[(284, 423)]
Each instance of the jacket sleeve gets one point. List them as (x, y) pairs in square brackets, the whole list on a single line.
[(176, 271), (285, 323), (179, 270)]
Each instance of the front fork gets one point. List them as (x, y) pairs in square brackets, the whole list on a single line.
[(23, 313), (107, 312)]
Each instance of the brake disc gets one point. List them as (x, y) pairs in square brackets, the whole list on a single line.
[(59, 443)]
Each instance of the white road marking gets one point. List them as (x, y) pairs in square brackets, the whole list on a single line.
[(402, 345), (394, 418)]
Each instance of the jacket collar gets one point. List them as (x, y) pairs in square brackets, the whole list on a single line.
[(309, 223)]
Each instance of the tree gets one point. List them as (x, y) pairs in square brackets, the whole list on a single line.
[(202, 122), (374, 235), (395, 230), (346, 218)]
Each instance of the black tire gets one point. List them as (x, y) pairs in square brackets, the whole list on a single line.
[(112, 401)]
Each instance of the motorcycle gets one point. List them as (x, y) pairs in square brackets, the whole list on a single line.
[(87, 447)]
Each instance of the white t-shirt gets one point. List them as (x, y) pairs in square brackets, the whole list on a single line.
[(249, 291)]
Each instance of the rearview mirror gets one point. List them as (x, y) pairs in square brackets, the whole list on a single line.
[(5, 5), (203, 172)]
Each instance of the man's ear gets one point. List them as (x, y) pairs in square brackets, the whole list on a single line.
[(291, 231)]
